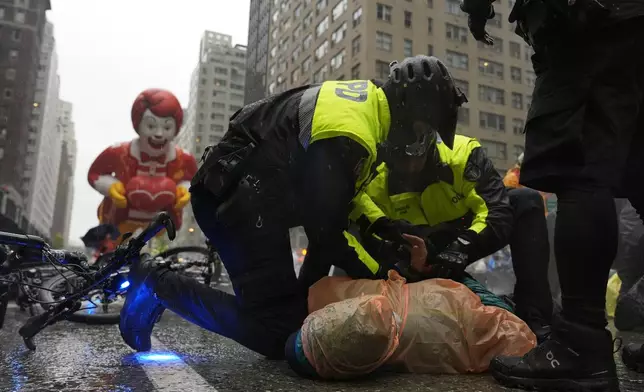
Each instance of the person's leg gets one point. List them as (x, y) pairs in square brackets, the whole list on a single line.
[(530, 259), (580, 131), (250, 232)]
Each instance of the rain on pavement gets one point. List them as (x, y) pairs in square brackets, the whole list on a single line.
[(78, 357)]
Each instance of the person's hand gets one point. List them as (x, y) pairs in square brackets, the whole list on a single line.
[(451, 263), (479, 11), (117, 194), (182, 197), (477, 28), (418, 254)]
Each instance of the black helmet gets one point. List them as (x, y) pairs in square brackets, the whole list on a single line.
[(420, 90)]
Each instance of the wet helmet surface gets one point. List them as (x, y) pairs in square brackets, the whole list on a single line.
[(424, 102)]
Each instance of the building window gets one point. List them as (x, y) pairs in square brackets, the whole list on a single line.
[(430, 50), (306, 43), (298, 11), (408, 19), (355, 46), (492, 121), (528, 101), (456, 33), (236, 86), (355, 72), (494, 150), (306, 64), (273, 51), (530, 78), (517, 101), (409, 48), (271, 88), (496, 47), (517, 126), (217, 116), (496, 21), (382, 70), (515, 74), (217, 127), (221, 83), (321, 5), (338, 60), (463, 116), (491, 94), (295, 76), (19, 17), (528, 52), (8, 93), (357, 17), (321, 74), (10, 74), (297, 32), (515, 50), (339, 9), (17, 35), (339, 33), (383, 41), (430, 25), (322, 27), (13, 55), (296, 54), (490, 68), (383, 12), (308, 19), (322, 50), (218, 105), (2, 13), (454, 7), (518, 150), (463, 86), (457, 60)]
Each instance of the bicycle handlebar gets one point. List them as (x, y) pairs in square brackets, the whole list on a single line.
[(22, 240)]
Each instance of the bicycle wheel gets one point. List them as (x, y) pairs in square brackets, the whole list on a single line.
[(212, 268), (97, 309)]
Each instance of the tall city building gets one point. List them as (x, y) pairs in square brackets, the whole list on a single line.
[(44, 148), (216, 93), (22, 24), (259, 28), (65, 184), (315, 40)]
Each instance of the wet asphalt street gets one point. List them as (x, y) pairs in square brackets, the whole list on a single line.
[(78, 357)]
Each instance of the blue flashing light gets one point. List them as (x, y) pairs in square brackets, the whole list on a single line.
[(125, 285)]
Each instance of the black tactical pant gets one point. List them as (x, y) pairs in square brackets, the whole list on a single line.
[(584, 138), (250, 230)]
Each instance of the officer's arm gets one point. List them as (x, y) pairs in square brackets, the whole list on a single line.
[(330, 167), (487, 198)]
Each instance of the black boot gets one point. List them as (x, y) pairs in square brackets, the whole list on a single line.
[(629, 313), (574, 358), (142, 308), (633, 357)]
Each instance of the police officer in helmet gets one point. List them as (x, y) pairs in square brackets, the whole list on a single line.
[(296, 158), (583, 139), (423, 101)]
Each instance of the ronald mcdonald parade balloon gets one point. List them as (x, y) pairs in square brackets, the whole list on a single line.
[(148, 174)]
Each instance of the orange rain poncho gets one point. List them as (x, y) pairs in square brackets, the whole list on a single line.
[(433, 326)]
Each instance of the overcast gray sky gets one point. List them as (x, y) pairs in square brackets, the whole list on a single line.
[(109, 51)]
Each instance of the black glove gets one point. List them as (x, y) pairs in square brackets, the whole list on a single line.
[(479, 11), (451, 263), (390, 230)]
